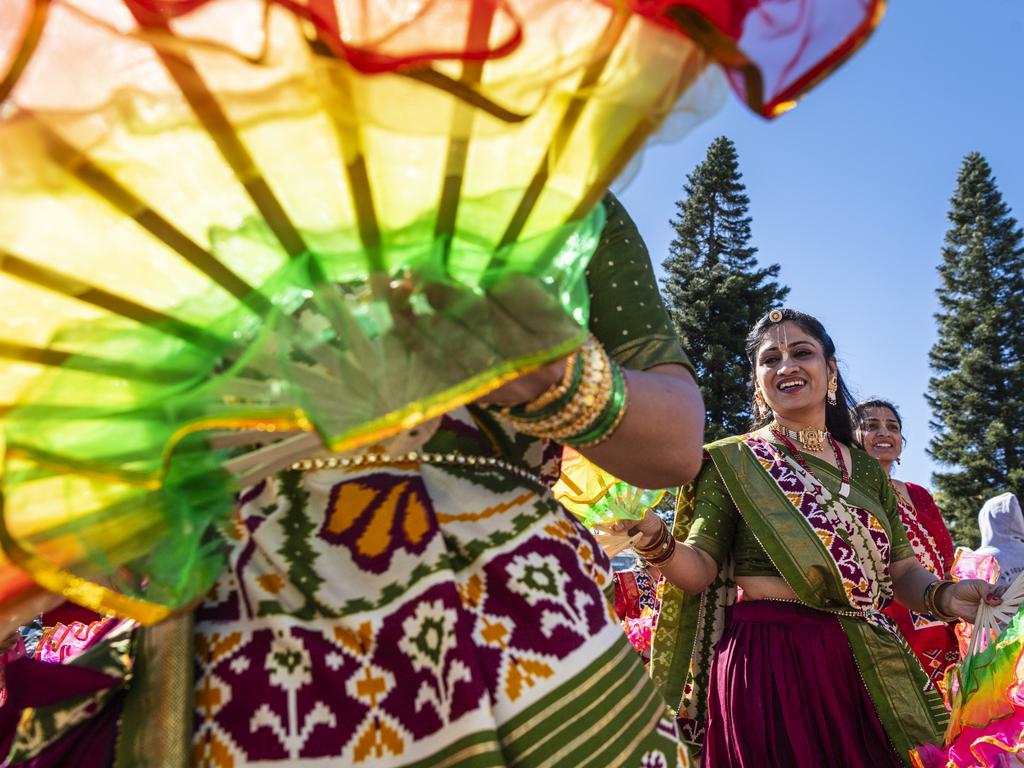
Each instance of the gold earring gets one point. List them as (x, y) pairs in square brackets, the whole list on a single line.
[(762, 406), (833, 385)]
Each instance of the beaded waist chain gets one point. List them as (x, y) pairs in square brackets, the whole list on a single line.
[(415, 457), (849, 614)]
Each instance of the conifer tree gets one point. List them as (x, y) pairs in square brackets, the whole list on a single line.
[(714, 287), (977, 393)]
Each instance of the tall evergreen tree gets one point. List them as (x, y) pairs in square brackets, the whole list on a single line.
[(977, 394), (714, 287)]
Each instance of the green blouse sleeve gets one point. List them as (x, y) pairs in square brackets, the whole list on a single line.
[(627, 313), (713, 529)]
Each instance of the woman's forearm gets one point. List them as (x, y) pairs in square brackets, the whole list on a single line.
[(659, 442), (909, 579), (690, 569)]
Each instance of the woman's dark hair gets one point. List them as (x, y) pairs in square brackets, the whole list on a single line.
[(863, 405), (837, 417)]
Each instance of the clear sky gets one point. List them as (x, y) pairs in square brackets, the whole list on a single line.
[(849, 192)]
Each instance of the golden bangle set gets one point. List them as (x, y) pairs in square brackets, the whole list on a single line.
[(661, 551), (550, 395), (594, 392), (931, 600)]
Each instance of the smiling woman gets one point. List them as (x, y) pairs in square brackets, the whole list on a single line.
[(880, 433), (805, 669)]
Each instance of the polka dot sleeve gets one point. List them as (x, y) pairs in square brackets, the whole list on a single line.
[(713, 528), (627, 313)]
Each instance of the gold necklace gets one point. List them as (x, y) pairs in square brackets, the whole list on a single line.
[(812, 440)]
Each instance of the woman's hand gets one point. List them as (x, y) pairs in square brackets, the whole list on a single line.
[(527, 387), (962, 598), (649, 528), (689, 568)]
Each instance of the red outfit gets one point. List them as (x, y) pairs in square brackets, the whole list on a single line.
[(634, 591), (933, 641)]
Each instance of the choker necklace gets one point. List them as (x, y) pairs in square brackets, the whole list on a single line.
[(844, 473), (812, 440)]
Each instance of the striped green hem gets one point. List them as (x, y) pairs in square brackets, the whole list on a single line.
[(478, 750), (605, 715)]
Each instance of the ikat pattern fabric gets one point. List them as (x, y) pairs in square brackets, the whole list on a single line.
[(854, 538), (420, 615)]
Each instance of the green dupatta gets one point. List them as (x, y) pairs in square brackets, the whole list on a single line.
[(689, 626)]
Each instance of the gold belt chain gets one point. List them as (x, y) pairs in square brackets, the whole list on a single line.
[(414, 457)]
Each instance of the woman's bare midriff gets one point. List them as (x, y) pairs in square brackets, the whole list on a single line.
[(763, 587)]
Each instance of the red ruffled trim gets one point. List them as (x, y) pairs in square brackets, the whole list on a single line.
[(722, 27), (746, 58)]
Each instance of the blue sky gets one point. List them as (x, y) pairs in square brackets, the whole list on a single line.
[(849, 192)]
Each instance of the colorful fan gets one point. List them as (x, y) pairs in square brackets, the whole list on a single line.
[(324, 220), (986, 692), (597, 498), (968, 564)]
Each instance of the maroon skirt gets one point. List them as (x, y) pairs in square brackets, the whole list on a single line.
[(785, 692)]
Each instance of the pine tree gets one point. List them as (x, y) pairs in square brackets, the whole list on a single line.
[(977, 394), (714, 287)]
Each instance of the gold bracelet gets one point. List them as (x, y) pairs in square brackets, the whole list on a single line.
[(931, 602), (616, 422), (659, 542), (587, 403), (553, 422), (662, 559), (557, 390)]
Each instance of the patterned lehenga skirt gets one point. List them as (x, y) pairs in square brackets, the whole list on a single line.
[(418, 614)]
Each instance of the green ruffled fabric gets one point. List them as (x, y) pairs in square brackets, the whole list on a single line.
[(103, 479)]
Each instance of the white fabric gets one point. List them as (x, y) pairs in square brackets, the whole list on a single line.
[(1002, 535)]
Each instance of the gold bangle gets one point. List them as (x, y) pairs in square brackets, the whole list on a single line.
[(557, 390), (939, 613), (931, 601), (658, 542), (615, 422), (586, 404), (660, 560), (553, 422)]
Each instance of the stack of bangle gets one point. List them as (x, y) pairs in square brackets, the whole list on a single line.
[(661, 551), (931, 600), (584, 408)]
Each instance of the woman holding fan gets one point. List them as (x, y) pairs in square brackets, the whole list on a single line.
[(806, 670)]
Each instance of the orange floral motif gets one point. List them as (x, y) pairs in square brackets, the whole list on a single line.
[(216, 646), (210, 696), (471, 593), (561, 529), (211, 751), (271, 582), (524, 672), (376, 515), (376, 739), (358, 641)]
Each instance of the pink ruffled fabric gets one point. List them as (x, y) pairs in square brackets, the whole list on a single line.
[(65, 641)]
